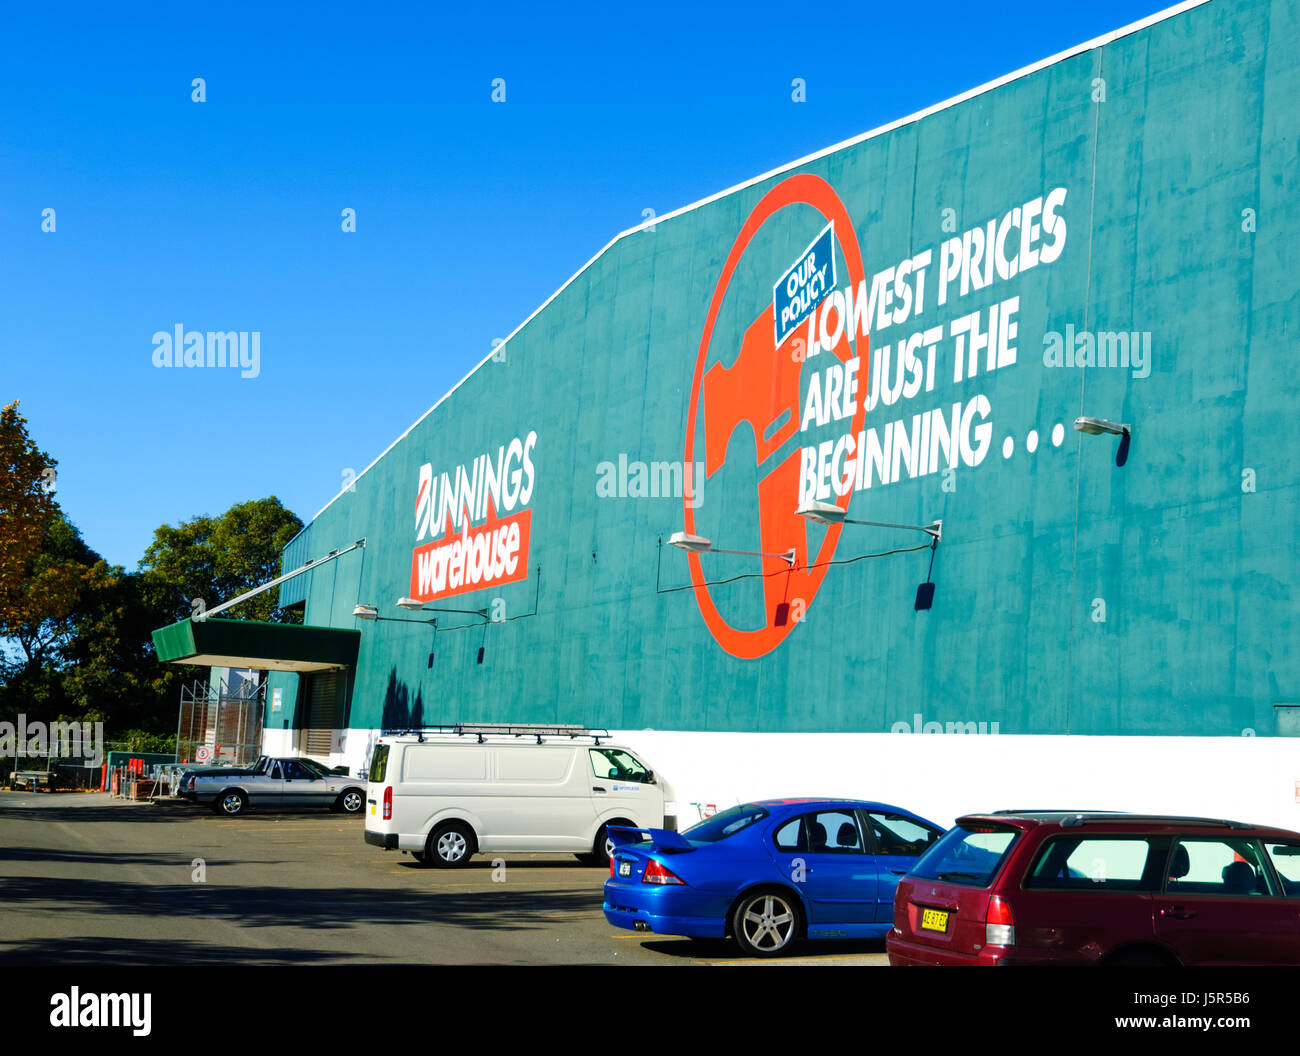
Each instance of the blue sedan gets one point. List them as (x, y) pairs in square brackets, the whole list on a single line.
[(768, 873)]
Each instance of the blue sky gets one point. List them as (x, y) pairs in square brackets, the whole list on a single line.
[(225, 215)]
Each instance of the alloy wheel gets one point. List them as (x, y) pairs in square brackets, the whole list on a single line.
[(769, 923)]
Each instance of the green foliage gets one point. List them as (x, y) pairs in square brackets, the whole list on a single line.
[(213, 559), (144, 741), (76, 632), (26, 509)]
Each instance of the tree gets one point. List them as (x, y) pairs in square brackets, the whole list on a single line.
[(75, 631), (79, 648), (27, 507), (214, 559), (54, 579)]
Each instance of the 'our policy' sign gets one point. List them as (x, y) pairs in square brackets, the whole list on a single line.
[(801, 289)]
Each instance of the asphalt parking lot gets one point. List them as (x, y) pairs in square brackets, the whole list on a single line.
[(85, 878)]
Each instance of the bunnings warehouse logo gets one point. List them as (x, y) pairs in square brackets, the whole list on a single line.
[(478, 541), (844, 383)]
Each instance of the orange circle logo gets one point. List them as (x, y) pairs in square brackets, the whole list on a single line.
[(761, 388)]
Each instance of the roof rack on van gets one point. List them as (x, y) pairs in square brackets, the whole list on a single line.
[(482, 730)]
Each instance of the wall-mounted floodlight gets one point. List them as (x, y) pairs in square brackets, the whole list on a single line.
[(369, 612), (412, 605), (697, 544), (692, 544), (829, 514), (1094, 426), (1098, 426)]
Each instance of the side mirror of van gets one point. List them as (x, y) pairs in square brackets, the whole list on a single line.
[(649, 777)]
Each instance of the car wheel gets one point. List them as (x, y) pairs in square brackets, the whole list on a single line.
[(602, 849), (230, 803), (451, 845), (351, 802), (765, 923)]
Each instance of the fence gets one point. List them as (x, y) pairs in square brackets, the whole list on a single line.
[(220, 725)]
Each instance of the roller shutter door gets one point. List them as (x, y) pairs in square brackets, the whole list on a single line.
[(323, 711)]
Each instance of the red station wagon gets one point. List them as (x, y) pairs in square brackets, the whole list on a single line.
[(1053, 887)]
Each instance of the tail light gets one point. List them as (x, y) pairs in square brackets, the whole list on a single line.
[(658, 874), (388, 803), (611, 867), (999, 924)]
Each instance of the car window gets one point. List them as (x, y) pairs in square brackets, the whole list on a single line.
[(379, 763), (1092, 863), (1286, 860), (276, 773), (1233, 867), (895, 834), (790, 836), (295, 771), (970, 855), (614, 764), (725, 823), (821, 832)]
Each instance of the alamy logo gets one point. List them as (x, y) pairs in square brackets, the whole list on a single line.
[(238, 349), (1100, 348), (650, 480), (59, 740), (918, 725), (76, 1009)]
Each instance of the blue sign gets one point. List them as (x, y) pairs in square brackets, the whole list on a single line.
[(808, 282)]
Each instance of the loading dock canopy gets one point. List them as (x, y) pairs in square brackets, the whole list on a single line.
[(263, 646)]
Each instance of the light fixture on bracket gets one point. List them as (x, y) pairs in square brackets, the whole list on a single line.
[(829, 514), (412, 605), (698, 544), (1103, 426), (370, 612), (1093, 426)]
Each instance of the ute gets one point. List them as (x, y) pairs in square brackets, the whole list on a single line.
[(272, 782)]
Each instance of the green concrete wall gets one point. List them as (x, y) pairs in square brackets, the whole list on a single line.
[(1190, 546)]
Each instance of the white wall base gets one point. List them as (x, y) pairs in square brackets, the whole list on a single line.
[(942, 776), (278, 743)]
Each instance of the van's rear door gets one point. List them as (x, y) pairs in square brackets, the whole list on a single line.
[(375, 786)]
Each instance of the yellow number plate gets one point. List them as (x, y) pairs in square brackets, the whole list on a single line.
[(934, 920)]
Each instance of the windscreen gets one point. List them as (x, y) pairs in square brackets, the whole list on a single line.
[(969, 854)]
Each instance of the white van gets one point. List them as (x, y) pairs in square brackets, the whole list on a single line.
[(447, 796)]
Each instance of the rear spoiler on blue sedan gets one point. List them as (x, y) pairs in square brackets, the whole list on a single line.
[(664, 840)]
